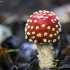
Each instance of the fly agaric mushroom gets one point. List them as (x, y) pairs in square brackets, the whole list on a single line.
[(43, 28)]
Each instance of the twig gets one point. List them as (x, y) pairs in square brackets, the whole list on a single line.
[(30, 64)]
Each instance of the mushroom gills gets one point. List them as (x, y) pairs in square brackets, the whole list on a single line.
[(46, 55)]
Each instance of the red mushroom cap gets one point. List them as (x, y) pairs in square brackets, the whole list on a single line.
[(42, 27)]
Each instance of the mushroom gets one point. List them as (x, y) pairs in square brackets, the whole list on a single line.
[(5, 32), (43, 28)]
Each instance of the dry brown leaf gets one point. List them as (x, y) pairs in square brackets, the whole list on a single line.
[(3, 51), (66, 51)]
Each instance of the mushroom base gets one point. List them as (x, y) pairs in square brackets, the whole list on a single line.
[(46, 55)]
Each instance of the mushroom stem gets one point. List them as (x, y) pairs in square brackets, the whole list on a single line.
[(46, 55)]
